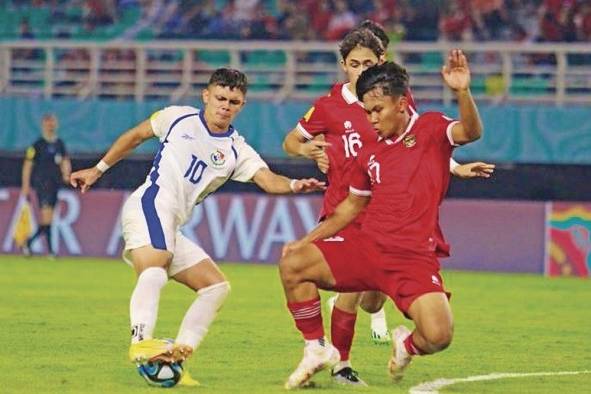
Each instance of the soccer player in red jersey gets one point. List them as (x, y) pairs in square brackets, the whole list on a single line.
[(340, 118), (399, 182)]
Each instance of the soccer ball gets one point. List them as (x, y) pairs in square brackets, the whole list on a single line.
[(161, 373)]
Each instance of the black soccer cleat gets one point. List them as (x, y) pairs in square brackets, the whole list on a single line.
[(348, 376)]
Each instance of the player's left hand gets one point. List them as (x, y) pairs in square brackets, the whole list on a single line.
[(477, 169), (291, 246), (456, 72), (308, 185)]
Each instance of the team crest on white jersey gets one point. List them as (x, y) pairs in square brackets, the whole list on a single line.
[(218, 158)]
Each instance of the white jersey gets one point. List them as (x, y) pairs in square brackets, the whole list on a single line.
[(192, 162)]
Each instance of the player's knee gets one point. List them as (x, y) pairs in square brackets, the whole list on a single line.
[(289, 269), (439, 337), (372, 303)]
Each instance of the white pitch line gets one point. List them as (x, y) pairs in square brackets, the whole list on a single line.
[(434, 386)]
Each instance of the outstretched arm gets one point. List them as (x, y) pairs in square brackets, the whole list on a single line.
[(278, 184), (344, 214), (456, 74), (126, 143), (477, 169)]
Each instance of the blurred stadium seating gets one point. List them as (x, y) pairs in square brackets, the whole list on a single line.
[(278, 70), (102, 65)]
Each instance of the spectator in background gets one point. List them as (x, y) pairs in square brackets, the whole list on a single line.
[(46, 168), (244, 10), (262, 26), (455, 23), (100, 12), (583, 22), (26, 33), (420, 19), (490, 19), (320, 15), (383, 11), (341, 21)]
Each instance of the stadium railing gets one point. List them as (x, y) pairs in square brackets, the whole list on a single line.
[(505, 72)]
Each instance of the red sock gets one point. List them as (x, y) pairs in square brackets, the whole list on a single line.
[(411, 347), (308, 318), (342, 329)]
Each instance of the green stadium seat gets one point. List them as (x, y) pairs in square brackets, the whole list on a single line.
[(532, 86), (214, 58)]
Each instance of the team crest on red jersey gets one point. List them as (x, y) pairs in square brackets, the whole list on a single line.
[(409, 141)]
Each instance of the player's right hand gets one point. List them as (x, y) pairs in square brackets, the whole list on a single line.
[(84, 179), (323, 163)]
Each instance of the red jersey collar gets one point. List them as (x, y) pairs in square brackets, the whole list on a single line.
[(409, 126)]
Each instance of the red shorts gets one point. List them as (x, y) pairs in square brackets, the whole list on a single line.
[(357, 265)]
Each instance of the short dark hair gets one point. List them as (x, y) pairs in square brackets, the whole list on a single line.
[(390, 77), (376, 29), (363, 38), (229, 77)]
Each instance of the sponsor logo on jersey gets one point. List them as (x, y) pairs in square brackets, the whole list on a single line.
[(186, 136), (218, 158), (334, 239), (409, 141), (435, 280), (348, 126)]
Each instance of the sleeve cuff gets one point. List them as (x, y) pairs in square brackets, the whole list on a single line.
[(358, 192), (304, 132), (450, 137)]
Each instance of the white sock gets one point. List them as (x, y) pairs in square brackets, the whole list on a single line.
[(314, 343), (378, 321), (201, 313), (341, 365), (143, 306)]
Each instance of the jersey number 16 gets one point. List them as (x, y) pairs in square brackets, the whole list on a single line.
[(352, 142)]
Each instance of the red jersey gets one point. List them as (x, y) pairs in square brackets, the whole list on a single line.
[(407, 179), (340, 117)]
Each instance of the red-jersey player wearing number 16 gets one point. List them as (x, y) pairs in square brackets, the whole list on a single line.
[(400, 181)]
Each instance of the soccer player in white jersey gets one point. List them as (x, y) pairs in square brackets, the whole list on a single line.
[(199, 152)]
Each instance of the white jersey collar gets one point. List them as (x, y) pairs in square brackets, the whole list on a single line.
[(349, 97)]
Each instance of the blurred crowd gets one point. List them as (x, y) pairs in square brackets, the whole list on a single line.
[(410, 20)]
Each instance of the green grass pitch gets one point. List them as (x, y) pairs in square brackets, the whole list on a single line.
[(64, 329)]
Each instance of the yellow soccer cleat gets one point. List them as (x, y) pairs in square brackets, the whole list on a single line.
[(187, 380), (150, 349)]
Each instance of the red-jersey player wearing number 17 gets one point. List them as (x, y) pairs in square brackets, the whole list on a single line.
[(400, 181)]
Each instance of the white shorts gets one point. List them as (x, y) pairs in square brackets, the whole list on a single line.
[(157, 227)]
